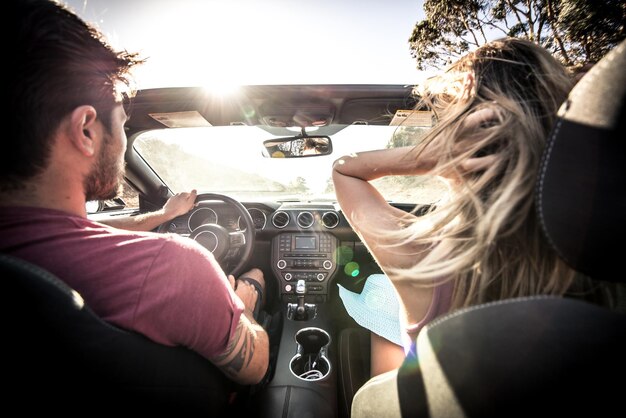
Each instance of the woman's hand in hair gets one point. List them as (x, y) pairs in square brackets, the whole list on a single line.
[(481, 118)]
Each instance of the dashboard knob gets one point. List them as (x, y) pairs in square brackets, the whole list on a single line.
[(281, 264), (288, 276), (320, 277), (327, 264)]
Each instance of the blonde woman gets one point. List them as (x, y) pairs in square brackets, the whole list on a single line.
[(494, 110)]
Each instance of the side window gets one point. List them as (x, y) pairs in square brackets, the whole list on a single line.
[(130, 196), (93, 206)]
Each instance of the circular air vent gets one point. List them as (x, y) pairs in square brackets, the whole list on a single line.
[(280, 219), (305, 219), (330, 219)]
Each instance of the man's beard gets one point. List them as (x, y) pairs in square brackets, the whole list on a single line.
[(105, 179)]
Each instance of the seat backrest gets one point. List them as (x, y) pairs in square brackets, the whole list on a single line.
[(581, 191), (62, 357), (546, 355)]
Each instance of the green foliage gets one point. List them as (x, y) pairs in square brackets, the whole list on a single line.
[(593, 28), (199, 172), (330, 186), (405, 136), (577, 32), (298, 185)]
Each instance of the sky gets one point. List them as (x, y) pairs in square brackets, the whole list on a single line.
[(225, 43)]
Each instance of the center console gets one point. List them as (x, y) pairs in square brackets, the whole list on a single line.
[(305, 378), (304, 258)]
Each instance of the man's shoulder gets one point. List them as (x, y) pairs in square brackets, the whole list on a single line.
[(167, 244), (175, 244), (26, 227), (169, 248)]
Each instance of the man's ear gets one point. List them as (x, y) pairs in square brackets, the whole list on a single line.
[(83, 130)]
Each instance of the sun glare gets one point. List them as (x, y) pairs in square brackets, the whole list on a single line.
[(221, 43), (223, 88)]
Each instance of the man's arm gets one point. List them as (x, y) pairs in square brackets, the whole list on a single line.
[(177, 205), (246, 357)]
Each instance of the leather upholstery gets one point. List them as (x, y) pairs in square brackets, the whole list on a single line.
[(522, 357), (581, 199), (354, 365)]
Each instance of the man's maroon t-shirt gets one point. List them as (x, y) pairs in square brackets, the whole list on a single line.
[(164, 286)]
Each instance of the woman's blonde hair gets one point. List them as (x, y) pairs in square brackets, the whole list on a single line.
[(485, 236)]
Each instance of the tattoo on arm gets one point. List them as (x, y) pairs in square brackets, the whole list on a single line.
[(239, 352)]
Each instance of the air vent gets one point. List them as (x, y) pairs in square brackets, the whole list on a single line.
[(330, 219), (280, 219), (305, 219)]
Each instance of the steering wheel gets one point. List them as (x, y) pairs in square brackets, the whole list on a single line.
[(227, 246)]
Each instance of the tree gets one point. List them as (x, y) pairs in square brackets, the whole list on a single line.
[(406, 136), (592, 29), (577, 32), (298, 185), (330, 186)]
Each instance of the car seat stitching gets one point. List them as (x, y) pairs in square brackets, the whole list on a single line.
[(454, 314)]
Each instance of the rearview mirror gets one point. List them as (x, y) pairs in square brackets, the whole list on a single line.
[(298, 146)]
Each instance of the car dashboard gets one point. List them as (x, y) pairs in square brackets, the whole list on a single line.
[(307, 240)]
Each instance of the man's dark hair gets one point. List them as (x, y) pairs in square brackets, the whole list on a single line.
[(60, 63)]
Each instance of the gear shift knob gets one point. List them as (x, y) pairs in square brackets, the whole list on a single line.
[(301, 287), (300, 310)]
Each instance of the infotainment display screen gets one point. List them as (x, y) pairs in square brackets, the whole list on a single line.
[(306, 243)]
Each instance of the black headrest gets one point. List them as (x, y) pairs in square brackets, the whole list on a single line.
[(581, 190)]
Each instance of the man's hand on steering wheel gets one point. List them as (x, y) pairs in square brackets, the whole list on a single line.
[(180, 203)]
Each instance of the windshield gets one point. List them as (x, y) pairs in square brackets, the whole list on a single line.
[(232, 160)]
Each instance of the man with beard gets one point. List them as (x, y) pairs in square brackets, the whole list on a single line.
[(65, 145)]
